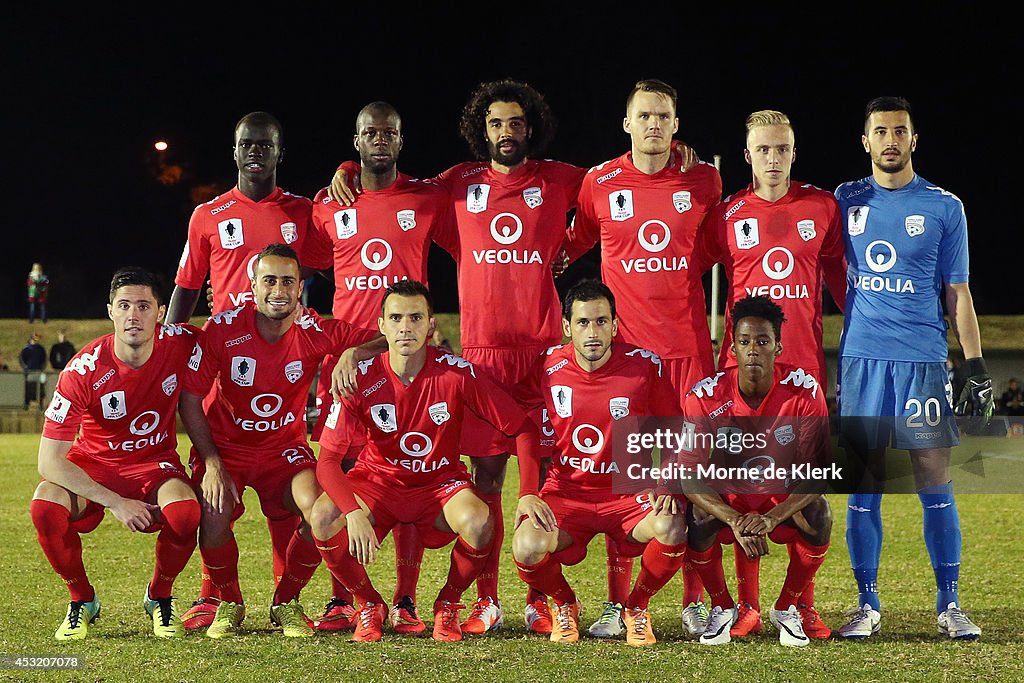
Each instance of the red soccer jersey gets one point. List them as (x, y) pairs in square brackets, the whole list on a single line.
[(511, 228), (381, 239), (226, 234), (413, 431), (647, 226), (585, 406), (781, 249), (788, 428), (260, 388), (126, 415)]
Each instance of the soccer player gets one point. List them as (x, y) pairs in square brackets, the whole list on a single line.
[(260, 359), (224, 237), (384, 237), (109, 442), (589, 385), (906, 246), (772, 417), (412, 401), (645, 208), (511, 209), (777, 237)]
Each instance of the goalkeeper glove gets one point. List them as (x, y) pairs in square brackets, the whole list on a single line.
[(976, 398)]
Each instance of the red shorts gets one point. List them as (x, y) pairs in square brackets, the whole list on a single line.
[(391, 503), (510, 370), (582, 520), (683, 373), (269, 474), (139, 481), (741, 502)]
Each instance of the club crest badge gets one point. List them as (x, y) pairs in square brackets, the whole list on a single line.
[(681, 200), (406, 219), (439, 412), (784, 435), (806, 230), (619, 407), (289, 232), (531, 196), (293, 371), (914, 225), (170, 384)]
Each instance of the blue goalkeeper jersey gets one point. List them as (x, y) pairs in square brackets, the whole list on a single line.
[(901, 247)]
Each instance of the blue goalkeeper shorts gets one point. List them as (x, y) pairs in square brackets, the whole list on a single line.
[(908, 405)]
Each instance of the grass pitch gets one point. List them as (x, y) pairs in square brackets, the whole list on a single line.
[(120, 646)]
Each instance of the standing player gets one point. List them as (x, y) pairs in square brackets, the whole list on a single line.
[(224, 237), (589, 384), (511, 210), (109, 442), (774, 417), (260, 359), (778, 238), (906, 244), (645, 210), (384, 237), (412, 401)]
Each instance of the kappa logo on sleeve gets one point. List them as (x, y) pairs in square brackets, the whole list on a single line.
[(706, 386), (58, 410), (84, 363), (801, 378)]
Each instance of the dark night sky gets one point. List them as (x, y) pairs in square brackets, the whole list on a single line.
[(88, 95)]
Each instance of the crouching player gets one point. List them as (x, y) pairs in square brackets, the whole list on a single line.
[(412, 401), (260, 358), (588, 385), (119, 394), (769, 418)]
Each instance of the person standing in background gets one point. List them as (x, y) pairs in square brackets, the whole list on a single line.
[(38, 287)]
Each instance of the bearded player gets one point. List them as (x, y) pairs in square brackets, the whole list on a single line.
[(764, 417), (260, 359), (779, 238), (511, 210), (589, 385), (109, 442), (645, 208), (412, 401)]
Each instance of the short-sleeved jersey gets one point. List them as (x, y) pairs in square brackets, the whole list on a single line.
[(647, 226), (781, 249), (383, 238), (226, 233), (901, 247), (260, 388), (584, 408), (511, 228), (789, 427), (122, 415), (413, 430)]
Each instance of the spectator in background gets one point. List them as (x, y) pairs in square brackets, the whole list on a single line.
[(38, 287), (1012, 400), (33, 362), (61, 352)]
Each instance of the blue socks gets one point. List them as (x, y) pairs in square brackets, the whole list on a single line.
[(942, 538), (864, 541)]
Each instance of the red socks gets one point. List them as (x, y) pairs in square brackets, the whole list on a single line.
[(804, 560), (408, 556), (546, 577), (748, 578), (222, 563), (620, 572), (709, 564), (487, 582), (347, 569), (62, 546), (467, 562), (174, 545), (281, 531), (301, 561), (658, 565)]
